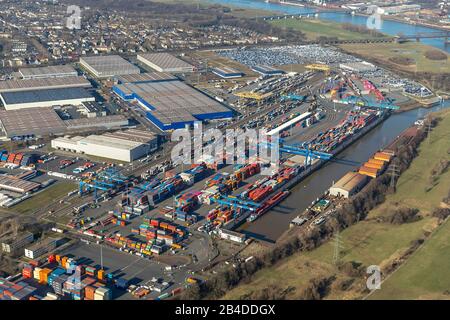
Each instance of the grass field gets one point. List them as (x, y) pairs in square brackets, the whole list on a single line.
[(425, 275), (412, 50), (314, 28), (44, 197), (235, 11), (373, 242)]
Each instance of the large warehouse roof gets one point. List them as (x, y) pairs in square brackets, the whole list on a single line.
[(146, 77), (123, 145), (132, 135), (45, 95), (40, 84), (32, 120), (107, 122), (108, 66), (227, 72), (164, 62), (48, 72), (173, 102), (17, 185)]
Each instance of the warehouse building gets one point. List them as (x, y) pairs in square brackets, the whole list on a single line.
[(267, 70), (97, 123), (146, 77), (13, 244), (31, 121), (349, 185), (227, 72), (172, 104), (14, 184), (42, 247), (399, 9), (48, 72), (108, 66), (125, 146), (43, 84), (45, 98), (361, 66), (165, 62), (35, 122), (232, 235)]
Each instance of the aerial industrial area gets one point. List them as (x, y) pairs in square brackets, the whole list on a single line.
[(94, 205)]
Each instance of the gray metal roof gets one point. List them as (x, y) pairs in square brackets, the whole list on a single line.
[(39, 84), (45, 95), (31, 121), (146, 77), (174, 101), (47, 71), (165, 60), (109, 65)]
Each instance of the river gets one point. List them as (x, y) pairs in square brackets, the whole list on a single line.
[(388, 27)]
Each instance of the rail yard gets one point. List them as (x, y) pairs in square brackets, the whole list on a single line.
[(134, 223)]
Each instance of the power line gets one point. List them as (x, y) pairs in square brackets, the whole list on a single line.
[(337, 248), (395, 172)]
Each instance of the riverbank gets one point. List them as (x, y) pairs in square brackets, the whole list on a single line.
[(316, 28)]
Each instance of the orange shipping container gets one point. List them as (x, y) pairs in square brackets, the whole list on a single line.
[(373, 165), (370, 172), (43, 275), (383, 156), (89, 292), (380, 162)]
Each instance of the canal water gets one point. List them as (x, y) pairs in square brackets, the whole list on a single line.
[(271, 225), (388, 27)]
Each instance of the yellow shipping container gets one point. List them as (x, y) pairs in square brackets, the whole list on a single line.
[(58, 258), (101, 274)]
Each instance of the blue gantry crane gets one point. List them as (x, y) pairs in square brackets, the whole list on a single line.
[(237, 203), (303, 150), (86, 186), (367, 102)]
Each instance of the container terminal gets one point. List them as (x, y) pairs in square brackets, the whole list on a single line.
[(134, 223)]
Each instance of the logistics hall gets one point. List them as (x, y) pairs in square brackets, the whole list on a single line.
[(172, 104)]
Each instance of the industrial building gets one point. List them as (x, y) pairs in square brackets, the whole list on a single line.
[(232, 235), (125, 146), (93, 109), (164, 62), (48, 72), (46, 121), (13, 244), (362, 66), (267, 70), (14, 184), (108, 66), (43, 247), (43, 84), (172, 104), (31, 121), (146, 77), (399, 9), (349, 185), (227, 72), (45, 98)]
